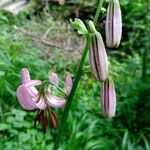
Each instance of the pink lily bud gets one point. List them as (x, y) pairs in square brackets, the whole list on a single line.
[(98, 57), (113, 24), (108, 98)]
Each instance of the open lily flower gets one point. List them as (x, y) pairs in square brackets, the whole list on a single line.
[(30, 98)]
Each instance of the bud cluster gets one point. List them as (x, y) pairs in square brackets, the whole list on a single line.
[(98, 56)]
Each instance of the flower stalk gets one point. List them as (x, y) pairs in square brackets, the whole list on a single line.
[(75, 84)]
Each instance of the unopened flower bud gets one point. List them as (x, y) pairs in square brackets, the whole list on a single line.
[(113, 24), (108, 98), (53, 119), (98, 56)]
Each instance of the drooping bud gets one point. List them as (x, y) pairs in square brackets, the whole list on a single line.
[(108, 98), (37, 118), (53, 119), (113, 24), (44, 123), (97, 54)]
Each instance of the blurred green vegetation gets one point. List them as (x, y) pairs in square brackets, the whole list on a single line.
[(86, 129)]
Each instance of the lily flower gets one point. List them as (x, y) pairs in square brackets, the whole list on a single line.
[(108, 98), (113, 24), (30, 98)]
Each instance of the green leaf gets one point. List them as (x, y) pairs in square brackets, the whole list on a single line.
[(4, 126)]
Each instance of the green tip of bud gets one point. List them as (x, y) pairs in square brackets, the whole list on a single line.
[(79, 26), (91, 27)]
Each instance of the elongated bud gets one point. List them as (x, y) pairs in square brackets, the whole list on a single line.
[(98, 56), (53, 119), (108, 98), (37, 118), (113, 24), (44, 123)]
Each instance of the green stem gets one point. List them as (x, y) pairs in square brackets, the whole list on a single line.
[(70, 98), (75, 84), (98, 11)]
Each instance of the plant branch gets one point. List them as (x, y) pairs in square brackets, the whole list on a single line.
[(98, 11)]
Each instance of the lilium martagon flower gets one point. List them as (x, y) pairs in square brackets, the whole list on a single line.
[(42, 101)]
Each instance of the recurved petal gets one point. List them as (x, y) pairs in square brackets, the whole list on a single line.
[(40, 102), (25, 75), (55, 101), (21, 95), (69, 83), (31, 87), (53, 78)]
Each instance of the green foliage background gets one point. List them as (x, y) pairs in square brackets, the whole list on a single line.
[(86, 129)]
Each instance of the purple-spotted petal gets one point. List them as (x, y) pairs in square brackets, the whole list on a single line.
[(68, 84), (55, 101), (53, 78)]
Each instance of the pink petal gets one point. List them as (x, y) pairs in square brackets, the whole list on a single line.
[(55, 101), (53, 78), (41, 102), (30, 86), (25, 75), (68, 84), (22, 98)]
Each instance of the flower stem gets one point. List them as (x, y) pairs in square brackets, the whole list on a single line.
[(98, 11), (75, 84)]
